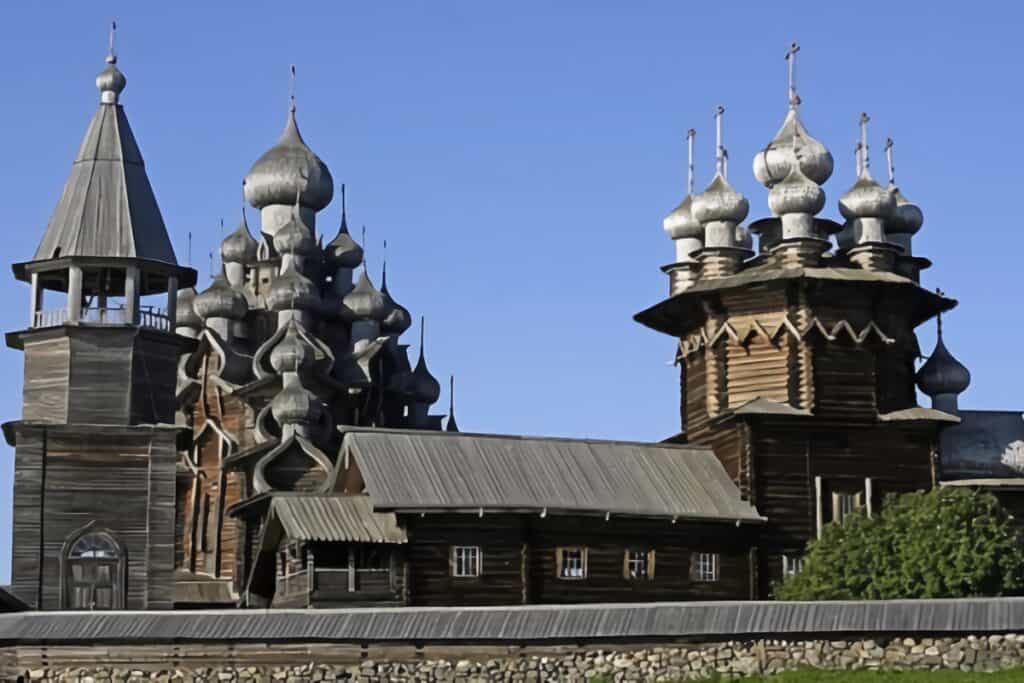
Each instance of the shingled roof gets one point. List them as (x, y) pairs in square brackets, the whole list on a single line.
[(405, 470)]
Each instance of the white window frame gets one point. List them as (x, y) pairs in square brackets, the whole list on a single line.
[(845, 504), (467, 561), (638, 564), (707, 567), (792, 565), (574, 568)]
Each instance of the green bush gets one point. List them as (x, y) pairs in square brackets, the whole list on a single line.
[(947, 543)]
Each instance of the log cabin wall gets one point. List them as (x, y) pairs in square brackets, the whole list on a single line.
[(75, 480)]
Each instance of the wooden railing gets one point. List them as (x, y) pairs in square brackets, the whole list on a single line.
[(149, 316)]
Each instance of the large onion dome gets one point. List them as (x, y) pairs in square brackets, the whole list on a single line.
[(287, 168), (906, 218), (773, 163), (220, 300), (239, 246), (398, 319), (292, 353), (295, 404), (364, 302), (796, 193), (295, 237), (291, 290), (867, 199), (719, 202), (185, 313), (680, 223), (942, 373)]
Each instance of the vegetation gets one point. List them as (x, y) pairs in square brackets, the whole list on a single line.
[(947, 543)]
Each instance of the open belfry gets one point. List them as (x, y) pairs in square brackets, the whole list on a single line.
[(266, 441)]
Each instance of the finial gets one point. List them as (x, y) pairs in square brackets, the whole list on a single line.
[(856, 156), (384, 267), (422, 334), (344, 207), (291, 90), (690, 135), (190, 248), (719, 149), (938, 318), (451, 426), (889, 162), (364, 248), (865, 162), (211, 264), (794, 99), (111, 54)]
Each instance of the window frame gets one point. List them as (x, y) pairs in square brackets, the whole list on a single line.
[(706, 567), (473, 553), (792, 565), (855, 500), (635, 557), (561, 565), (115, 573)]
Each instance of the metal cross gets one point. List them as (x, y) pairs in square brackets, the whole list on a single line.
[(865, 163), (291, 88), (794, 99), (111, 55), (690, 135), (889, 161), (719, 149)]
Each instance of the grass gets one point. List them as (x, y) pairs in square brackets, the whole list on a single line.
[(817, 676)]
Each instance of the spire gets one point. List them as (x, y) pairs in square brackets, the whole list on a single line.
[(111, 82), (452, 426), (344, 210), (291, 90)]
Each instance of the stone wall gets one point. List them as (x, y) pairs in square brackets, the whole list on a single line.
[(733, 659)]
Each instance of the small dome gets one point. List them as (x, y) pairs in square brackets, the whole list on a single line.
[(343, 251), (942, 373), (906, 219), (773, 163), (220, 300), (398, 319), (287, 168), (291, 290), (239, 246), (111, 81), (292, 353), (720, 202), (185, 314), (295, 404), (796, 193), (295, 237), (867, 199), (680, 222), (423, 386), (364, 302)]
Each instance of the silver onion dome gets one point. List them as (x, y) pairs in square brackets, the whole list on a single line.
[(942, 373), (906, 218), (796, 193), (292, 353), (239, 246), (364, 302), (287, 168), (185, 313), (295, 237), (291, 290), (398, 319), (423, 386), (680, 223), (295, 404), (220, 300), (720, 202), (111, 82), (773, 163), (867, 199), (343, 251)]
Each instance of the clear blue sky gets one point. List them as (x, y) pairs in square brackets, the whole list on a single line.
[(519, 159)]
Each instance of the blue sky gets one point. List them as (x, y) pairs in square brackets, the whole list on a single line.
[(519, 158)]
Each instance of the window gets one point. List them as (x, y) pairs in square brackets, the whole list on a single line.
[(845, 504), (638, 564), (465, 561), (792, 565), (704, 567), (571, 563), (291, 560), (94, 567)]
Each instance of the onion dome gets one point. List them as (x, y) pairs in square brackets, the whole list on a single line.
[(287, 168), (343, 251), (719, 202), (422, 385), (680, 223), (239, 246), (295, 237), (295, 404), (867, 199), (796, 193), (220, 300), (398, 319), (773, 164), (906, 218), (942, 373), (292, 353), (364, 302), (185, 313), (111, 82), (291, 290)]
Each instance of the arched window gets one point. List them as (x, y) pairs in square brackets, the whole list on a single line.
[(94, 572)]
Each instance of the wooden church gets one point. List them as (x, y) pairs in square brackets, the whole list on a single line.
[(268, 441)]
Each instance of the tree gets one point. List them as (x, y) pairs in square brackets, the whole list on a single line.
[(947, 543)]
